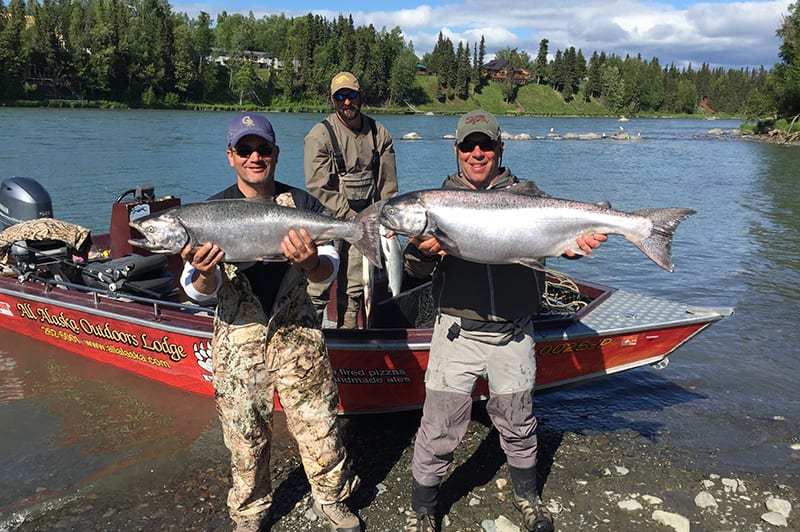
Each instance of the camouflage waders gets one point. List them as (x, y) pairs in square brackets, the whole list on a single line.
[(256, 356)]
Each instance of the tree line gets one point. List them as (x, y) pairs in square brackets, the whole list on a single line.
[(140, 53)]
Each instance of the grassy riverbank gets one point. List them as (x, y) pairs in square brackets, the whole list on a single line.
[(530, 100)]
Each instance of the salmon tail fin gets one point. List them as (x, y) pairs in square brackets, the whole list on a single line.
[(658, 245), (369, 240)]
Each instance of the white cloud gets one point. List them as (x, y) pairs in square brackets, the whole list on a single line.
[(732, 35)]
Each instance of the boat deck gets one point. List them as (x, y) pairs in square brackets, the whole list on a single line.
[(628, 312)]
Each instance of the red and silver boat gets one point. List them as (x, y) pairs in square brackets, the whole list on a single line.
[(377, 369)]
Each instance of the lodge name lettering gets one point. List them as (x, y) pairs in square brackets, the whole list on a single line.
[(104, 330)]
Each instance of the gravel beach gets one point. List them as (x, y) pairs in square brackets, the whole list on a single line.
[(616, 480)]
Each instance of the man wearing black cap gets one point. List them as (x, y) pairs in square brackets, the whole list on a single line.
[(267, 340), (349, 164), (483, 328)]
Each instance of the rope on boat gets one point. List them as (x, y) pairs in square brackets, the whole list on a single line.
[(562, 295)]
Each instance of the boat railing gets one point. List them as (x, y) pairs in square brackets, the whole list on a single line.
[(99, 293)]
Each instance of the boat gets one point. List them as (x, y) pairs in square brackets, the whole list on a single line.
[(123, 308)]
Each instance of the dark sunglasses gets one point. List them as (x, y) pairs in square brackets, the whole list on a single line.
[(485, 144), (245, 151), (340, 97)]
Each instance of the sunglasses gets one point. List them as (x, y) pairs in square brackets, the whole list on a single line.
[(245, 150), (485, 144), (340, 97)]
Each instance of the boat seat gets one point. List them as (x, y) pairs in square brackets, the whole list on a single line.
[(51, 259), (38, 251), (140, 275)]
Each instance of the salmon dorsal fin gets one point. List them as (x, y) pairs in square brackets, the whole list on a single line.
[(525, 188)]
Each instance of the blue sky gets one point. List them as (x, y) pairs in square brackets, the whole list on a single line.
[(718, 32)]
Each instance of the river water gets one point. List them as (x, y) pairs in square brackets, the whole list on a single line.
[(729, 397)]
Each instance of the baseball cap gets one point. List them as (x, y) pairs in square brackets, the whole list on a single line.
[(250, 124), (477, 121), (344, 80)]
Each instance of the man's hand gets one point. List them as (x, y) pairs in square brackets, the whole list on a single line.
[(203, 259), (429, 246), (587, 243), (301, 250)]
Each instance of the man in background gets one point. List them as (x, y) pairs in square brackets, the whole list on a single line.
[(349, 164)]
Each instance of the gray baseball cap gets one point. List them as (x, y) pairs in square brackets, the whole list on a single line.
[(477, 121)]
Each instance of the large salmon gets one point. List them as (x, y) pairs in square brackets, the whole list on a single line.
[(519, 225), (252, 229)]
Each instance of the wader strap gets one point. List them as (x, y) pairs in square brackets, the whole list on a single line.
[(337, 151)]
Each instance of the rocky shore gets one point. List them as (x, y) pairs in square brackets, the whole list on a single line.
[(776, 136), (617, 480)]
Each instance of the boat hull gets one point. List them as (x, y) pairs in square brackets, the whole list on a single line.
[(376, 370)]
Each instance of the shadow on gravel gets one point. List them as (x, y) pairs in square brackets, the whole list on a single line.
[(375, 444), (383, 444)]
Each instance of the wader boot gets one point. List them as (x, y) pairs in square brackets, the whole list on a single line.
[(338, 516), (421, 518), (535, 515), (350, 318)]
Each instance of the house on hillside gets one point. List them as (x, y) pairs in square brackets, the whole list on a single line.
[(498, 70), (262, 59)]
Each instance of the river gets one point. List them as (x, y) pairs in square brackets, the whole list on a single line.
[(729, 397)]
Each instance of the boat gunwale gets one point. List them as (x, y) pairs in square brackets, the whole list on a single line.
[(196, 320)]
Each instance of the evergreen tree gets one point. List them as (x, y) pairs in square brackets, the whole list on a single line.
[(786, 91), (479, 63), (593, 81), (540, 66), (14, 50)]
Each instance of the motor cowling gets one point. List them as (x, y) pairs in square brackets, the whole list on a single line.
[(22, 199)]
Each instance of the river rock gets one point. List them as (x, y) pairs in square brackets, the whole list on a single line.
[(730, 485), (781, 506), (705, 500), (501, 524), (676, 521), (630, 505), (775, 519), (652, 500)]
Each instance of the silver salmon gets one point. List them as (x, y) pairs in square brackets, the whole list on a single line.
[(252, 229), (519, 225)]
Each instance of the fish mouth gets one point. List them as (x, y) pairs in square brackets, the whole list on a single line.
[(146, 242)]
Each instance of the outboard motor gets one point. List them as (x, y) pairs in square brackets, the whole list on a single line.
[(22, 199)]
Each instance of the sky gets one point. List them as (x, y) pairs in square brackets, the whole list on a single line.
[(722, 33)]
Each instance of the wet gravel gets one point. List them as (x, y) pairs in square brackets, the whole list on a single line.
[(613, 480)]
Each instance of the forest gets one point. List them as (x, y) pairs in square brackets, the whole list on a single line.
[(139, 53)]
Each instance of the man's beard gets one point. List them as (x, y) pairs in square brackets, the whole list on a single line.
[(348, 113)]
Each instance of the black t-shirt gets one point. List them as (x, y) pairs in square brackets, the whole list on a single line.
[(265, 277)]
